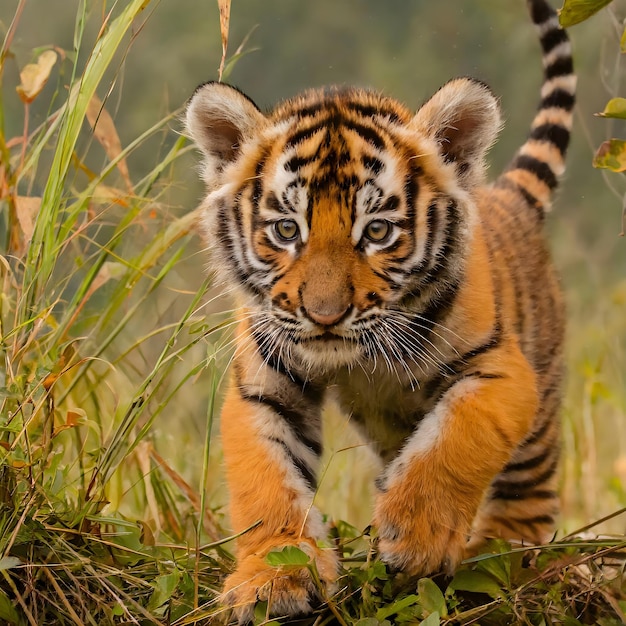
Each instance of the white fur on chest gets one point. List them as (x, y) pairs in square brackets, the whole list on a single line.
[(379, 405)]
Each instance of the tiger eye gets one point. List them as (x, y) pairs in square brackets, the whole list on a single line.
[(378, 230), (287, 230)]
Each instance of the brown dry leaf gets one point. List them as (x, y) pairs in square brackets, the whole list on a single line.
[(26, 208), (105, 132), (142, 454), (224, 6), (49, 380), (75, 416), (34, 76), (109, 270)]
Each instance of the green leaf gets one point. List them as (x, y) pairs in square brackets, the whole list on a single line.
[(576, 11), (290, 556), (611, 155), (432, 620), (476, 582), (164, 587), (368, 621), (431, 598), (395, 607), (377, 571), (7, 610), (8, 562), (616, 107), (498, 567)]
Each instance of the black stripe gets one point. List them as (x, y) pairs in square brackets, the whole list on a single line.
[(539, 168), (366, 132), (538, 434), (411, 188), (553, 133), (390, 204), (257, 185), (486, 376), (296, 420), (440, 305), (538, 494), (373, 110), (432, 223), (275, 362), (502, 484), (503, 434), (438, 386), (265, 240), (311, 110), (273, 203), (438, 269), (303, 134), (534, 520), (532, 201), (373, 164), (530, 463), (505, 182), (491, 343), (296, 162), (230, 234), (540, 11), (552, 39), (392, 284), (561, 67), (301, 466), (560, 99)]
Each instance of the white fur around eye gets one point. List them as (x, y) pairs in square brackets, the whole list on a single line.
[(297, 197), (367, 198)]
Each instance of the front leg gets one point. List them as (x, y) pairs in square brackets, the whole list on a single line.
[(430, 493), (271, 435)]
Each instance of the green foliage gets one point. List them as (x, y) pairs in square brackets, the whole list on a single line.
[(611, 154), (576, 11), (569, 582), (289, 556)]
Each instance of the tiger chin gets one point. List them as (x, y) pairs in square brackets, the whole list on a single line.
[(373, 262)]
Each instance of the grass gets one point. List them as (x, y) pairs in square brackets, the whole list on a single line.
[(107, 349)]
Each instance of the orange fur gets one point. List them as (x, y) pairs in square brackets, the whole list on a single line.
[(373, 263)]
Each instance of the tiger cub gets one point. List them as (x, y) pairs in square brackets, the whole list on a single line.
[(373, 262)]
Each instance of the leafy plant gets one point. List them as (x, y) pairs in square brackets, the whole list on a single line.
[(611, 154)]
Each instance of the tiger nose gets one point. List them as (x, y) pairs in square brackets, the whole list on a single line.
[(325, 317)]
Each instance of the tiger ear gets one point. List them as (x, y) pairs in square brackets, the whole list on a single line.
[(219, 119), (463, 117)]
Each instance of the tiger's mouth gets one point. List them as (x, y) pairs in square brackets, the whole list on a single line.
[(328, 335)]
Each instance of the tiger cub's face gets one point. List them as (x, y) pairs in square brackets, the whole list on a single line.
[(341, 214)]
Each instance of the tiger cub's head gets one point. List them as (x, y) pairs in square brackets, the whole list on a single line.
[(340, 215)]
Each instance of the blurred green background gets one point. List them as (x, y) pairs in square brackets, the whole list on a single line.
[(407, 48)]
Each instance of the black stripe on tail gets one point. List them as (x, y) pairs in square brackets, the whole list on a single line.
[(541, 159)]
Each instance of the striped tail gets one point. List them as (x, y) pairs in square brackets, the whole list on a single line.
[(541, 160)]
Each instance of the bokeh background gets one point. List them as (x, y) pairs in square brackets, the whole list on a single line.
[(407, 48)]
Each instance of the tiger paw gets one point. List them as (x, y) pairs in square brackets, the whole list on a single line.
[(420, 540), (288, 590)]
